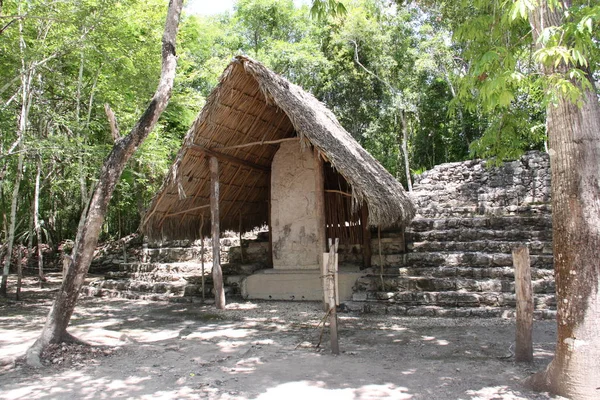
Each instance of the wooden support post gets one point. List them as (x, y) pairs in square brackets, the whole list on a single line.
[(270, 249), (331, 295), (241, 244), (524, 292), (380, 258), (215, 231), (202, 254), (366, 246)]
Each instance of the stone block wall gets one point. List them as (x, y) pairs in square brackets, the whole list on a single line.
[(478, 188)]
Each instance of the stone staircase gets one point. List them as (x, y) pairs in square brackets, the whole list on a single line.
[(173, 272), (458, 260)]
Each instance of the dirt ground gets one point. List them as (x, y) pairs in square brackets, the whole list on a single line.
[(260, 350)]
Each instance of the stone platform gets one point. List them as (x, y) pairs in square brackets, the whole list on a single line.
[(296, 284)]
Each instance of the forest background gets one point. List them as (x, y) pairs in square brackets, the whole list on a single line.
[(396, 76)]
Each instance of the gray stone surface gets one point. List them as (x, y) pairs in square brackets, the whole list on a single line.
[(459, 246)]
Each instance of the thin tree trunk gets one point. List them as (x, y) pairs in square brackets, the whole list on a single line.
[(36, 223), (30, 231), (19, 273), (55, 329), (26, 98), (26, 76), (574, 138), (404, 147)]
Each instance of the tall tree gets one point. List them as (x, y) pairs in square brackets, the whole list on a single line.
[(574, 139), (55, 328), (559, 40)]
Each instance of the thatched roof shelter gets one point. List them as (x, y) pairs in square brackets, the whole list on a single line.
[(245, 118)]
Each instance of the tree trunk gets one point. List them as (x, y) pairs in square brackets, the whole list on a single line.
[(26, 77), (404, 148), (36, 223), (574, 138), (26, 96), (55, 329)]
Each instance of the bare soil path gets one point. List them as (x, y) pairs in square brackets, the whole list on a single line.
[(260, 350)]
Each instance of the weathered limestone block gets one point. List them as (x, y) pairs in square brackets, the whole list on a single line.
[(293, 208)]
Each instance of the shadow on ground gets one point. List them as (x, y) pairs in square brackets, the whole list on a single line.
[(263, 350)]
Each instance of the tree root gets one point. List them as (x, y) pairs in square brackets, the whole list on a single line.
[(33, 356), (68, 338), (541, 381)]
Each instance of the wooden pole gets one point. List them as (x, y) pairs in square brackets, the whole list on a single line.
[(366, 246), (524, 292), (270, 247), (380, 258), (202, 255), (215, 231), (241, 245), (331, 296)]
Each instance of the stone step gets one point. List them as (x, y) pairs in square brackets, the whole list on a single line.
[(471, 259), (441, 312), (454, 299), (471, 234), (187, 268), (468, 272), (173, 254), (541, 222), (176, 287), (489, 246), (457, 259), (111, 293), (153, 276), (442, 210), (434, 284), (188, 286)]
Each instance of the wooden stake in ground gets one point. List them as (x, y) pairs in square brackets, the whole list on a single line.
[(331, 295), (202, 253), (241, 245), (524, 341), (216, 244), (380, 258), (366, 246)]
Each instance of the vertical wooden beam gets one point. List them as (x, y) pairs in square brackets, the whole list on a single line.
[(202, 256), (366, 236), (215, 231), (241, 244), (270, 249), (524, 292), (331, 295), (380, 258)]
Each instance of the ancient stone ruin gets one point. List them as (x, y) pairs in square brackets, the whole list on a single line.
[(458, 260), (453, 260)]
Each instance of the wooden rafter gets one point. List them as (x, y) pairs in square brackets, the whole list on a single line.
[(239, 146), (228, 158)]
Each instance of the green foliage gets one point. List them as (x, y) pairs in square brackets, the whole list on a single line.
[(373, 63)]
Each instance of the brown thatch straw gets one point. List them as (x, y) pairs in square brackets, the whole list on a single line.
[(253, 104)]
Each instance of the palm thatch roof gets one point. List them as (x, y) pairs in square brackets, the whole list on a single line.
[(245, 118)]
